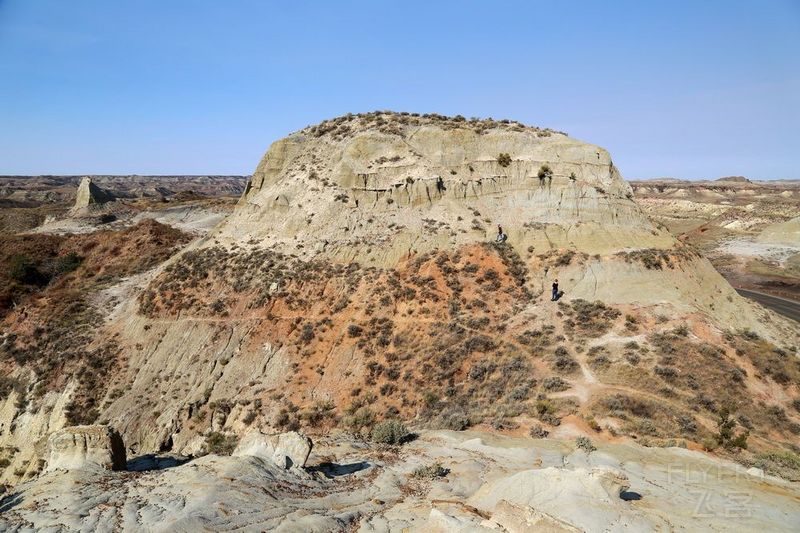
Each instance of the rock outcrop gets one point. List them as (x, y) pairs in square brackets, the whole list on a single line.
[(90, 194), (375, 194), (285, 450), (85, 447), (786, 233), (585, 498), (492, 487)]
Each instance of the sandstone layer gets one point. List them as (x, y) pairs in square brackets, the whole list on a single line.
[(82, 447), (376, 195)]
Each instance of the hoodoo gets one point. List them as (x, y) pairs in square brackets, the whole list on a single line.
[(90, 194)]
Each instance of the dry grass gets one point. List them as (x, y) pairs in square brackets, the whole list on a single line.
[(56, 336)]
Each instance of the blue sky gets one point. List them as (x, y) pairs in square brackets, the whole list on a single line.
[(683, 89)]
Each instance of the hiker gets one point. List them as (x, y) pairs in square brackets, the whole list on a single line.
[(440, 184), (501, 237), (555, 291)]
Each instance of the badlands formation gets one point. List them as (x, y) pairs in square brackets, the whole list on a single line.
[(75, 204), (358, 284), (90, 194), (749, 230)]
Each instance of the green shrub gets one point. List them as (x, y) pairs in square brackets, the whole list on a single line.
[(584, 444), (22, 269), (504, 159), (67, 263), (220, 444), (725, 432), (361, 420), (538, 432), (430, 472), (389, 432)]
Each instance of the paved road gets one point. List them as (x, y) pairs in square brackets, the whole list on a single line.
[(783, 306)]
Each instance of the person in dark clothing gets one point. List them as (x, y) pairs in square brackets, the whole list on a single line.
[(555, 291), (501, 237)]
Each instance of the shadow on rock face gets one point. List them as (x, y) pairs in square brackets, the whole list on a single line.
[(630, 496), (332, 470), (9, 502), (144, 463)]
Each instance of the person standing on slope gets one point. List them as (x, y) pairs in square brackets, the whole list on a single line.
[(501, 237), (555, 291)]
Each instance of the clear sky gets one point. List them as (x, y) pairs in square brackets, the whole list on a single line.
[(691, 89)]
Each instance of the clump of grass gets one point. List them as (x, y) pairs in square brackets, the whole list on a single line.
[(554, 384), (780, 463), (220, 444), (430, 472), (503, 159), (545, 411), (585, 444), (590, 318), (538, 432), (389, 432)]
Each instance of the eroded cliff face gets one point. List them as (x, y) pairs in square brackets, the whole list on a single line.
[(375, 196), (358, 279)]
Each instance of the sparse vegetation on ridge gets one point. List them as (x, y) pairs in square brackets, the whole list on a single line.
[(660, 259), (395, 123)]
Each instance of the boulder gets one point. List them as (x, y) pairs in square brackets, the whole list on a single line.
[(79, 447), (286, 450)]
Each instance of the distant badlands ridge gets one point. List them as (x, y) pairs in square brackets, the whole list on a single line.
[(727, 180), (30, 191)]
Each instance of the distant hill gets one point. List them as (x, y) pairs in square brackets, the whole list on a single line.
[(737, 179)]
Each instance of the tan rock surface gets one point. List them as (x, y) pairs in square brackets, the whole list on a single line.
[(80, 447), (787, 233), (510, 484), (90, 194), (351, 194), (286, 450)]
